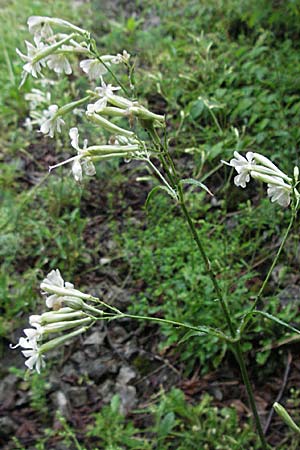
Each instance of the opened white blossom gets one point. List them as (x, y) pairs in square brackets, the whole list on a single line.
[(39, 26), (59, 63), (54, 278), (93, 68), (54, 284), (52, 121), (32, 352), (81, 163), (105, 93), (279, 194), (263, 169), (243, 167), (32, 66)]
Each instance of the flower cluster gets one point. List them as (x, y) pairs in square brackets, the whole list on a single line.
[(280, 186), (69, 312), (52, 50)]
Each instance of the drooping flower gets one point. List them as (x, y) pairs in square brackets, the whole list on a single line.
[(243, 167), (52, 122), (32, 65), (81, 163), (32, 352), (93, 68), (39, 26), (105, 93), (59, 63), (280, 194), (54, 278)]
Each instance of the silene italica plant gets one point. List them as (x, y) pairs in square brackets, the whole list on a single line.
[(58, 44)]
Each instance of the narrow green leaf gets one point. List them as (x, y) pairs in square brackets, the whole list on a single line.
[(275, 319), (190, 334), (196, 183), (155, 189)]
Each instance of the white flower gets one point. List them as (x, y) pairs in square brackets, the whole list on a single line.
[(59, 63), (52, 122), (279, 194), (93, 68), (243, 167), (39, 26), (105, 92), (32, 352), (121, 57), (32, 66), (80, 163), (54, 278), (35, 97)]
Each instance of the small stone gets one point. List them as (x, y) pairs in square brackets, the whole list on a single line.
[(96, 338), (96, 370), (125, 375), (61, 403), (78, 357), (78, 396), (7, 426), (106, 391), (127, 397)]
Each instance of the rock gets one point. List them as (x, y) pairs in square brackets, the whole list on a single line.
[(118, 334), (125, 375), (8, 390), (78, 396), (290, 294), (127, 396), (79, 357), (96, 338), (96, 370), (61, 403), (106, 391), (7, 426)]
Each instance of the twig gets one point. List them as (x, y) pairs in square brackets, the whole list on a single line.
[(283, 386)]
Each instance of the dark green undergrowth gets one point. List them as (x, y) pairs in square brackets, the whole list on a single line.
[(226, 75)]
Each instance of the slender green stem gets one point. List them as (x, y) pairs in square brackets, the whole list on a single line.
[(235, 342), (240, 359), (207, 264), (116, 79)]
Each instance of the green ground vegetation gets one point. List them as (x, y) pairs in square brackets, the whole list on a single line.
[(227, 76)]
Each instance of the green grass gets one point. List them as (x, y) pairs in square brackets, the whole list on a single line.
[(226, 74)]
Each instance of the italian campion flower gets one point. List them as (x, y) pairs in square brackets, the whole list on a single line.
[(81, 163), (261, 168), (54, 279), (93, 68), (32, 352), (52, 122), (59, 63), (106, 93), (243, 167), (32, 66), (39, 26)]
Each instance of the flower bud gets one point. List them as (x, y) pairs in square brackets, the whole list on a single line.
[(109, 126), (54, 343), (296, 173), (282, 412)]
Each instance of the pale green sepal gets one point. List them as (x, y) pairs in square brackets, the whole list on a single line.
[(54, 343), (109, 126)]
